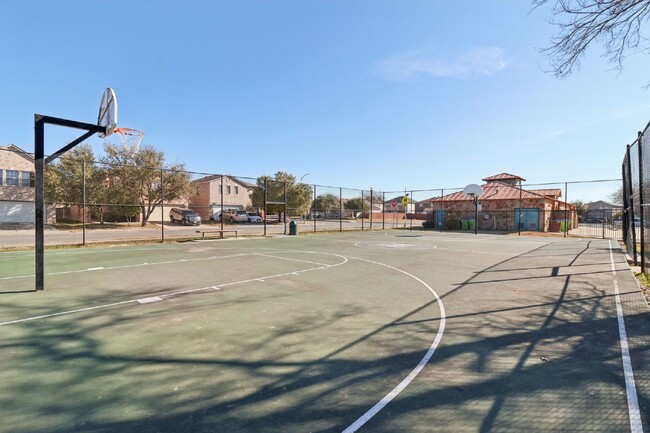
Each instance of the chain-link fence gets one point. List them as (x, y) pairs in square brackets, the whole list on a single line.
[(636, 191), (89, 202)]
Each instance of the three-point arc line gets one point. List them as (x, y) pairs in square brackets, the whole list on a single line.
[(374, 409)]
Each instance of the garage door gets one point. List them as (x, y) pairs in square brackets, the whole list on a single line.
[(16, 212)]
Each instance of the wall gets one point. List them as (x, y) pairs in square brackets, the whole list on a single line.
[(209, 192)]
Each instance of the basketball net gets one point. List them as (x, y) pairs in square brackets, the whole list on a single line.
[(130, 138)]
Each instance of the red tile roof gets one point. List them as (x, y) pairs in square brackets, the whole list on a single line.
[(492, 191), (553, 192)]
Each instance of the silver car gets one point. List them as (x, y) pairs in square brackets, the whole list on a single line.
[(234, 215), (254, 218)]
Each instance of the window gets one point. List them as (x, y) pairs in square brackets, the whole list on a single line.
[(227, 189), (12, 178), (236, 189), (1, 177), (25, 177)]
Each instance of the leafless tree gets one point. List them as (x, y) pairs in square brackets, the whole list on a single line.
[(616, 197), (614, 23)]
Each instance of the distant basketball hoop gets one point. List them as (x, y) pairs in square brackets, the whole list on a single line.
[(475, 192)]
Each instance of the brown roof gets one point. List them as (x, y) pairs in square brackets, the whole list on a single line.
[(553, 192), (492, 191), (212, 177), (503, 176)]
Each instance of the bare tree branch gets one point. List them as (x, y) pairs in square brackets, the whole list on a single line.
[(615, 23)]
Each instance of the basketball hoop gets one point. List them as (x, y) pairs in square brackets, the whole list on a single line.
[(107, 112), (130, 137)]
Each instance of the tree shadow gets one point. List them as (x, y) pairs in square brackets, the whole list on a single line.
[(532, 366)]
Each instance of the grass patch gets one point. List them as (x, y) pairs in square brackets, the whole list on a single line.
[(644, 281)]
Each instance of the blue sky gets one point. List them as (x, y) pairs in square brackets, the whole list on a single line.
[(388, 94)]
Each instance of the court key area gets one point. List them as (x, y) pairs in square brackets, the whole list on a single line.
[(396, 331)]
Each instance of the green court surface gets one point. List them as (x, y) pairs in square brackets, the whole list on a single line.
[(392, 331)]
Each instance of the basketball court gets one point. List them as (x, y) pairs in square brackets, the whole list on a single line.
[(373, 331)]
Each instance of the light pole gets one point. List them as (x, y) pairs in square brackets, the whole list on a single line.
[(303, 216)]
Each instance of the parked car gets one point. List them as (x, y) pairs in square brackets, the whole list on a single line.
[(184, 216), (234, 215), (254, 218)]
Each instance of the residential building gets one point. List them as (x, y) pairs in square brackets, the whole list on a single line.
[(601, 205), (209, 200), (17, 185), (395, 205)]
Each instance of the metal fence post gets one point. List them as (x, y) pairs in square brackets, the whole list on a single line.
[(370, 211), (566, 208), (520, 212), (313, 209), (641, 202), (407, 206), (285, 207), (630, 211), (162, 207), (266, 216), (363, 208), (383, 210), (221, 212), (341, 209), (442, 194), (83, 201)]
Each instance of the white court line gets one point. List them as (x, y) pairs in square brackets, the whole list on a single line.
[(291, 260), (373, 410), (149, 300), (61, 313), (636, 425), (418, 368), (136, 265), (168, 295)]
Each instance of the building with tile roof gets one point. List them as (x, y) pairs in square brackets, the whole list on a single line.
[(504, 206)]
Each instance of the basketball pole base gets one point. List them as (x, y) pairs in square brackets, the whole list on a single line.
[(39, 179)]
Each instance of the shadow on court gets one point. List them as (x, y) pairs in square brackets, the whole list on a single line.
[(547, 360)]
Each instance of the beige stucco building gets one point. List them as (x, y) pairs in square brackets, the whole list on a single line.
[(16, 185), (208, 198)]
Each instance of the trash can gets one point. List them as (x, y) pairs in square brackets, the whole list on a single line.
[(293, 228)]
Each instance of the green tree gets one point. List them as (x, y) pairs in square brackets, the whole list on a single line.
[(327, 203), (581, 207), (298, 194), (356, 203), (139, 177), (64, 180)]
